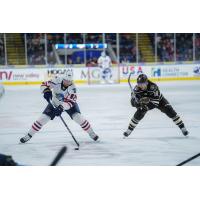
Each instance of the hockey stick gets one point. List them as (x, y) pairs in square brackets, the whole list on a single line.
[(129, 81), (67, 129), (189, 159), (59, 156), (130, 85)]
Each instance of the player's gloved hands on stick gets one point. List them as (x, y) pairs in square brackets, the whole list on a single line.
[(144, 108), (47, 94), (145, 100), (134, 103), (58, 110)]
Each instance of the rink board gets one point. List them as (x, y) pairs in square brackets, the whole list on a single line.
[(92, 75)]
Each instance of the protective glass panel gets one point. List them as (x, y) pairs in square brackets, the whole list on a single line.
[(184, 47), (165, 47), (197, 47), (54, 56), (127, 42), (36, 48), (2, 49), (75, 56)]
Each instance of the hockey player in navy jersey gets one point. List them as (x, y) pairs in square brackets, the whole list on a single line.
[(62, 92), (147, 96)]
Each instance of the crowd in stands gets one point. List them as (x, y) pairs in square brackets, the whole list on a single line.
[(197, 47), (94, 38), (184, 47), (2, 53), (127, 47), (165, 46), (36, 46), (52, 39)]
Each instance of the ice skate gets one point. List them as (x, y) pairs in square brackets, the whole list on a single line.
[(26, 138), (126, 134), (94, 136), (184, 131)]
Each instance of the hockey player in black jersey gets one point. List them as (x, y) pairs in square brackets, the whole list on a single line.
[(147, 96)]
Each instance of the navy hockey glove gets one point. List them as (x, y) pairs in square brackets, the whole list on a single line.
[(58, 110), (47, 94)]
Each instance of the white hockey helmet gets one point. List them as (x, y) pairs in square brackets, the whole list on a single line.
[(68, 76), (103, 54)]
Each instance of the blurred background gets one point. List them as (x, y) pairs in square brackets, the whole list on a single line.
[(39, 48)]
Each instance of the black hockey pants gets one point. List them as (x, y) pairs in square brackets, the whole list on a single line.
[(164, 106)]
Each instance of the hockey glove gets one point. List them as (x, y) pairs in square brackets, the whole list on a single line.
[(47, 94), (134, 103), (58, 110), (144, 108), (144, 100)]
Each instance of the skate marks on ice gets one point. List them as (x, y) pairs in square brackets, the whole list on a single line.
[(156, 141), (141, 148)]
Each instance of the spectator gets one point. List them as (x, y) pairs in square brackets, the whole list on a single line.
[(2, 53), (165, 47), (35, 48), (127, 47)]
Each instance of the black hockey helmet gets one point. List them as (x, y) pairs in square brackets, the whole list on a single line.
[(142, 78)]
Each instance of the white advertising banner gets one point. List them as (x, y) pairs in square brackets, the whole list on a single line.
[(135, 70), (161, 71), (21, 75), (172, 71), (93, 74)]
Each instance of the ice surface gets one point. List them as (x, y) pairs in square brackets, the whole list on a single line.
[(156, 140)]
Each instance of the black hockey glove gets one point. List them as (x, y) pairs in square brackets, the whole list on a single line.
[(134, 103), (144, 108), (47, 94), (58, 110), (144, 100), (144, 103)]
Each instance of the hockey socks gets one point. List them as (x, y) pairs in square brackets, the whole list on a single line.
[(177, 120), (85, 125), (36, 126), (133, 123)]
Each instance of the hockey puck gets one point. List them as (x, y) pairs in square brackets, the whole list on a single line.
[(76, 148)]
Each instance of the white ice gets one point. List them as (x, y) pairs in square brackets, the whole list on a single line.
[(155, 142)]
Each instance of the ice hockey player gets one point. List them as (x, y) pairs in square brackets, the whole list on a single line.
[(62, 91), (147, 96), (104, 62)]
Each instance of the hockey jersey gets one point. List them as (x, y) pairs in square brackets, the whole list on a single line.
[(152, 92), (104, 62), (65, 96)]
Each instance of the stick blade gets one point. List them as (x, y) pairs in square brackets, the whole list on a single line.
[(60, 154)]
